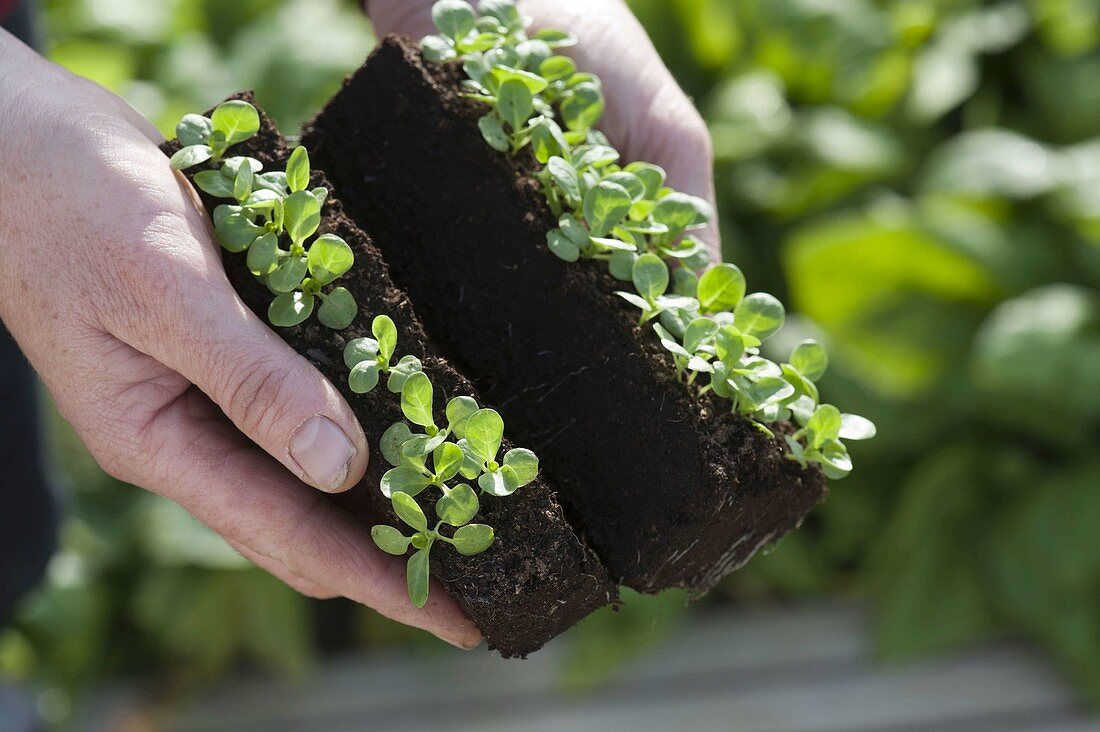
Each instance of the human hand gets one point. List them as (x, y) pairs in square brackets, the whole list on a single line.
[(648, 116), (111, 285)]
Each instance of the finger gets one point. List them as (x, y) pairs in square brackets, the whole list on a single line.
[(180, 445), (281, 573), (174, 303)]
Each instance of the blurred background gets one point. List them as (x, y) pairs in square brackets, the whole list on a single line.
[(918, 179)]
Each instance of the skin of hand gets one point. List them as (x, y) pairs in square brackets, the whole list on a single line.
[(648, 116), (113, 288)]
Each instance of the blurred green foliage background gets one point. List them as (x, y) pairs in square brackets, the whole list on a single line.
[(918, 179)]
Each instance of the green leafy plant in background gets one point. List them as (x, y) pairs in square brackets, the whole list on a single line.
[(627, 217), (467, 447), (272, 209)]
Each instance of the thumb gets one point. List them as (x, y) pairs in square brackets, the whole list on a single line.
[(182, 311)]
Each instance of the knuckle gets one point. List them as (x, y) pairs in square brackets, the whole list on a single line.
[(258, 394)]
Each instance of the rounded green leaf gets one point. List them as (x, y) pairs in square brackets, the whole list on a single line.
[(459, 411), (473, 539), (297, 170), (329, 258), (301, 216), (417, 577), (699, 332), (454, 18), (242, 182), (408, 510), (824, 425), (416, 400), (555, 38), (389, 539), (810, 360), (484, 432), (401, 371), (290, 309), (437, 50), (359, 350), (504, 73), (213, 183), (263, 255), (562, 246), (547, 139), (364, 377), (652, 176), (565, 177), (835, 462), (632, 183), (385, 331), (721, 288), (515, 103), (494, 134), (420, 446), (458, 506), (190, 156), (854, 427), (338, 309), (650, 276), (583, 106), (288, 275), (605, 206), (396, 435), (524, 462), (679, 211), (495, 483), (621, 265), (556, 68), (447, 459), (194, 129), (759, 315), (403, 479), (235, 119)]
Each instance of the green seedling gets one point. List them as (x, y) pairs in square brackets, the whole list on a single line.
[(371, 358), (455, 509), (274, 219), (443, 457), (628, 217)]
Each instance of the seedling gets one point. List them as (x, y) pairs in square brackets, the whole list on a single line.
[(455, 509), (370, 358), (273, 218), (629, 218), (464, 448)]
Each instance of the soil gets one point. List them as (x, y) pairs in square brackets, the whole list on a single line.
[(670, 489), (538, 578)]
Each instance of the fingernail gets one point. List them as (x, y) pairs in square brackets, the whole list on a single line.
[(465, 639), (323, 452)]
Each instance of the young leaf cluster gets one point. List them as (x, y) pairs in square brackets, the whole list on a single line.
[(274, 217), (626, 216), (451, 457)]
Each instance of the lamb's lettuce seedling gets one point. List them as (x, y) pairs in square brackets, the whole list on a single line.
[(465, 447), (455, 509), (371, 358), (628, 217), (204, 139), (273, 219)]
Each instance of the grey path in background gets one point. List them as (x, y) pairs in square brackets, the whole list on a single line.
[(780, 670)]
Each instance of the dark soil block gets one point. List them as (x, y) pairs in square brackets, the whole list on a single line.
[(538, 578), (669, 489)]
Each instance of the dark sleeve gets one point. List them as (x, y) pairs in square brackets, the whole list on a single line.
[(17, 16)]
